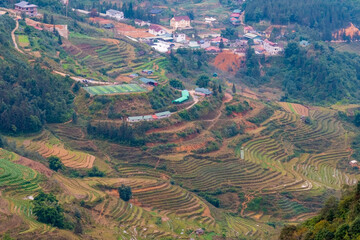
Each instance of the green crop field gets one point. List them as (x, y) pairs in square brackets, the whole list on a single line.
[(114, 89)]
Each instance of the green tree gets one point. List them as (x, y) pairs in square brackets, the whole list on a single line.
[(55, 163), (47, 210), (221, 45), (357, 120), (95, 172), (125, 192), (203, 81), (233, 88), (59, 40)]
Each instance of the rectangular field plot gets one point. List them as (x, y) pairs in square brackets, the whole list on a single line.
[(114, 89)]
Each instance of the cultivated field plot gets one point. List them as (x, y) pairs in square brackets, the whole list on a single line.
[(23, 40), (114, 89), (295, 108)]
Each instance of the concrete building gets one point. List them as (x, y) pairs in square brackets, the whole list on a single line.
[(179, 37), (157, 30), (180, 22), (28, 9), (272, 48), (115, 14)]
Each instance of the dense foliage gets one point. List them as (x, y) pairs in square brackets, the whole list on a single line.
[(337, 220), (55, 163), (47, 210), (318, 75), (125, 192), (29, 95), (322, 15)]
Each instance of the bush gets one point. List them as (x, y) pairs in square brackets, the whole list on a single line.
[(47, 210), (55, 163), (125, 192), (176, 84), (95, 172)]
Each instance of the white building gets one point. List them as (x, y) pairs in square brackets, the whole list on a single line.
[(161, 46), (157, 30), (210, 19), (272, 48), (179, 37), (142, 23), (115, 14)]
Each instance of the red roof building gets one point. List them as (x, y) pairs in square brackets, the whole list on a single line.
[(218, 40)]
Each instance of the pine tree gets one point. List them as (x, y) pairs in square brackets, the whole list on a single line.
[(234, 88), (59, 40)]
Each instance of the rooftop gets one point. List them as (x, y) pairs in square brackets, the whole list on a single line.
[(24, 4), (112, 11), (147, 80), (203, 90), (179, 18)]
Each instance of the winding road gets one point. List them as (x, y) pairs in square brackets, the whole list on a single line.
[(14, 38)]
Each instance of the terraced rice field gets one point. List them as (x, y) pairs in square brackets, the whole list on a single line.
[(114, 89), (295, 108), (286, 133), (73, 159)]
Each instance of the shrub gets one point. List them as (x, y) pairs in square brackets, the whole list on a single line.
[(55, 163), (125, 192), (47, 210)]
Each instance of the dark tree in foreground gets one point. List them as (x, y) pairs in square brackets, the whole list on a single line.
[(55, 163), (125, 192), (233, 88), (47, 210)]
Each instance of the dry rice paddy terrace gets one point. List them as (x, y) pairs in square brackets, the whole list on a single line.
[(69, 158)]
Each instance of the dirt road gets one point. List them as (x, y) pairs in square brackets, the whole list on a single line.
[(14, 38)]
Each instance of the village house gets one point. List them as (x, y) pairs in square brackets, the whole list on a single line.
[(28, 9), (165, 114), (179, 37), (157, 30), (272, 48), (354, 163), (148, 81), (115, 14), (180, 22), (217, 40), (212, 49), (248, 29), (194, 45), (204, 44), (142, 23), (202, 91)]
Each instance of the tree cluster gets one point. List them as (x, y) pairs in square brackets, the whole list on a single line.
[(323, 15), (339, 220), (125, 192), (29, 95)]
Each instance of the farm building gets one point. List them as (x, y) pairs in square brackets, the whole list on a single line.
[(210, 19), (135, 119), (134, 75), (155, 116), (161, 46), (149, 81), (304, 43), (115, 14), (165, 114), (251, 36), (180, 22), (28, 9), (202, 91), (184, 97), (148, 71)]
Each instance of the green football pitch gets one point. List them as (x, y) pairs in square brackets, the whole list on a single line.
[(113, 89)]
